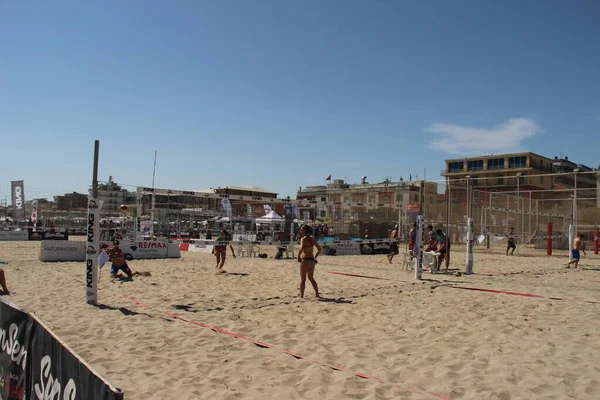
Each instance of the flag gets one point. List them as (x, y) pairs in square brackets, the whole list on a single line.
[(328, 178), (34, 212), (227, 206), (306, 216), (18, 200)]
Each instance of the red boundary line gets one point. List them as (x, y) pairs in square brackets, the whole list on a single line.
[(267, 345), (520, 294), (357, 275), (478, 289), (498, 291)]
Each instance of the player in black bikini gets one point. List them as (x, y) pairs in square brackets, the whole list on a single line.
[(307, 260), (220, 252)]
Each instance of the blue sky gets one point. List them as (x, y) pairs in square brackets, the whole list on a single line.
[(280, 94)]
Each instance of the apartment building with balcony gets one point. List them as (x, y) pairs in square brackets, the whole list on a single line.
[(71, 202), (405, 193), (528, 172), (113, 195)]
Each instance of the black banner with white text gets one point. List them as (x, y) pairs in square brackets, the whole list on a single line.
[(35, 364), (18, 200)]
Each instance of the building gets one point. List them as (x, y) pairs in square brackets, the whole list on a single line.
[(113, 195), (192, 207), (71, 201), (353, 220), (526, 172)]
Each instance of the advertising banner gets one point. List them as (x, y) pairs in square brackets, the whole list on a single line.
[(227, 206), (48, 235), (18, 200), (34, 212), (146, 228), (35, 364), (65, 250), (62, 250), (56, 369), (341, 248), (16, 330), (14, 235), (91, 250), (375, 248)]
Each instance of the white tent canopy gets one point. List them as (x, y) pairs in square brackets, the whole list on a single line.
[(271, 218)]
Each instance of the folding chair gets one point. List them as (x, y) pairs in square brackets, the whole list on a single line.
[(408, 263)]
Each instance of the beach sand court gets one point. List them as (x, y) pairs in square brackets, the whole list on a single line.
[(392, 338)]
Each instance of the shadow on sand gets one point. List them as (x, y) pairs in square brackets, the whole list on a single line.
[(123, 310), (340, 300)]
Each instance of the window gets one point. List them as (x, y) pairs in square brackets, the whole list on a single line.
[(475, 165), (475, 181), (517, 162), (496, 163), (476, 195), (501, 180), (453, 196), (457, 166), (323, 214), (398, 198), (385, 198), (346, 199), (521, 180), (346, 213), (371, 199)]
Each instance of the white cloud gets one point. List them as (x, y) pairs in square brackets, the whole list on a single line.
[(465, 140)]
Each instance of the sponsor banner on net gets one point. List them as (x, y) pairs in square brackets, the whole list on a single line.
[(287, 243)]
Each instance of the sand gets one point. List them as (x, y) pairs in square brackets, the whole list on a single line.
[(416, 340)]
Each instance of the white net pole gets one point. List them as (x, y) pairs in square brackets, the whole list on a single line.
[(418, 249), (571, 237), (469, 258)]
